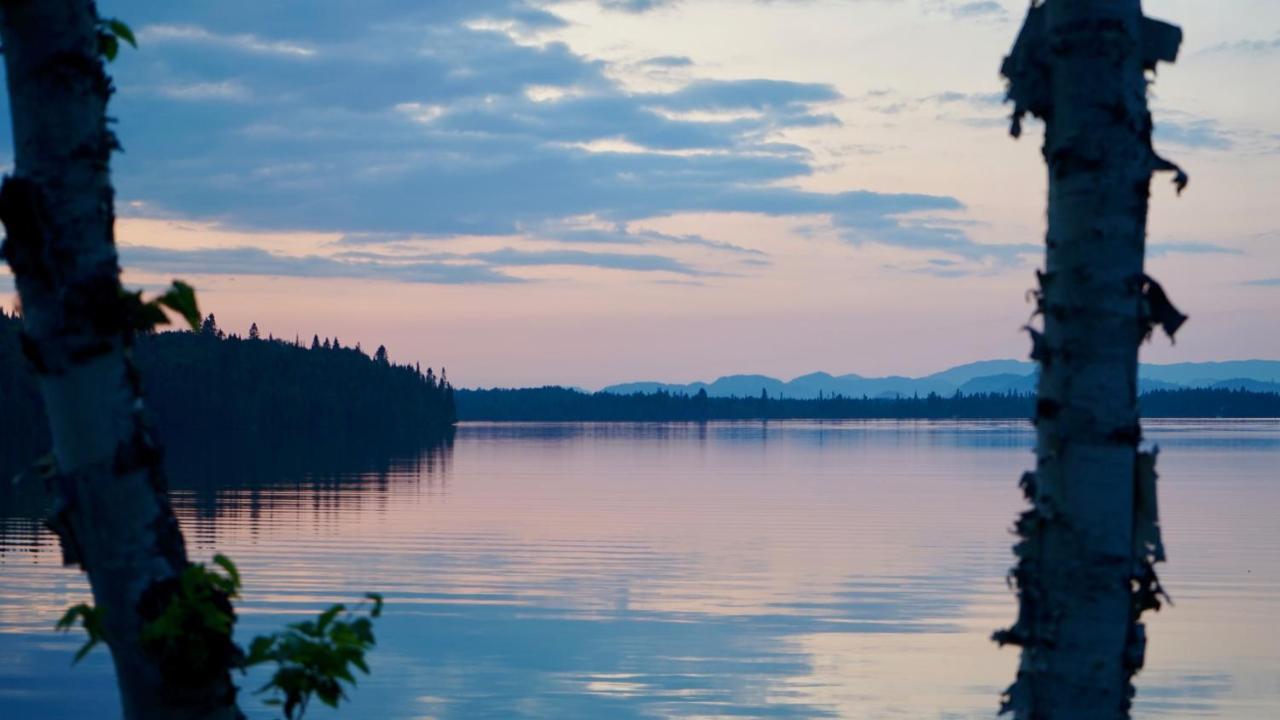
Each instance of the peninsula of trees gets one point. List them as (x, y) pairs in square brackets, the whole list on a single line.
[(214, 395)]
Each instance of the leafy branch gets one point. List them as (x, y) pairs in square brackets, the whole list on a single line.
[(194, 625), (90, 618), (110, 32), (315, 657), (144, 316)]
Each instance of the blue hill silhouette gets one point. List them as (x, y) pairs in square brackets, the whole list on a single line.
[(986, 376)]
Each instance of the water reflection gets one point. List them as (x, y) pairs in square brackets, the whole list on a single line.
[(793, 570)]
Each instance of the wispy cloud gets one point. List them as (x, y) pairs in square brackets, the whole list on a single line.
[(161, 34), (973, 109), (1192, 248), (668, 61), (635, 6), (1190, 132), (621, 234), (511, 257), (256, 261), (1248, 45), (200, 91), (402, 118), (967, 9), (484, 267)]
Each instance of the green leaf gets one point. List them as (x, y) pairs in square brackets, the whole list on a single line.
[(225, 563), (150, 315), (327, 617), (181, 298), (108, 46), (91, 619), (122, 31), (377, 603), (260, 650), (314, 658), (84, 650)]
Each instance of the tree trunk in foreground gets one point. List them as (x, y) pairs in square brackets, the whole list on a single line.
[(112, 513), (1088, 543)]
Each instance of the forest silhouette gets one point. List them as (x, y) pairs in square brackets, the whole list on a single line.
[(215, 397), (565, 404)]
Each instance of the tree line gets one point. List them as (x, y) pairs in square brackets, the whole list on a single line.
[(564, 404), (216, 397)]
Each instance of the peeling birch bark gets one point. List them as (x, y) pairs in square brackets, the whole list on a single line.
[(1088, 544), (112, 513)]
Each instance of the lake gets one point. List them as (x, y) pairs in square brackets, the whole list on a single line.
[(745, 570)]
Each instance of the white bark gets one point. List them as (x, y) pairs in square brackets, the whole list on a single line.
[(1084, 573), (112, 513)]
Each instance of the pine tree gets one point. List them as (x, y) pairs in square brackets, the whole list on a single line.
[(210, 326)]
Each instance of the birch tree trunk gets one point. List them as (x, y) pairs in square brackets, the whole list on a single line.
[(112, 513), (1089, 541)]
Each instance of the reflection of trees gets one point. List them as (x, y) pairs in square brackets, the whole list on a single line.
[(249, 486), (256, 482)]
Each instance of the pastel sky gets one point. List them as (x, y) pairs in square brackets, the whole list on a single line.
[(587, 192)]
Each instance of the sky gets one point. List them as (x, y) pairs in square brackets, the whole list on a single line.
[(536, 192)]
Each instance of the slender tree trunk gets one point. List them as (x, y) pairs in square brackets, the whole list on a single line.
[(1091, 537), (112, 513)]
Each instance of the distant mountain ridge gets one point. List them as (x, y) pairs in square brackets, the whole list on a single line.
[(986, 376)]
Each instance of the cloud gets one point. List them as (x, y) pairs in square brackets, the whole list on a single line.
[(635, 6), (400, 118), (953, 106), (1245, 46), (450, 268), (1197, 248), (1267, 282), (1191, 132), (982, 8), (620, 234), (225, 90), (668, 61), (511, 257), (183, 34), (967, 9), (760, 95), (987, 99), (256, 261)]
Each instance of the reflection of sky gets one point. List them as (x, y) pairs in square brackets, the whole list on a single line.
[(797, 570)]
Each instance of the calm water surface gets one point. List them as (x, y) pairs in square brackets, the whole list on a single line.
[(787, 570)]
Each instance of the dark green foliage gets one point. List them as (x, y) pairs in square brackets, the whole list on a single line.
[(91, 619), (191, 620), (145, 316), (181, 298), (212, 396), (563, 404), (110, 32), (315, 657)]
